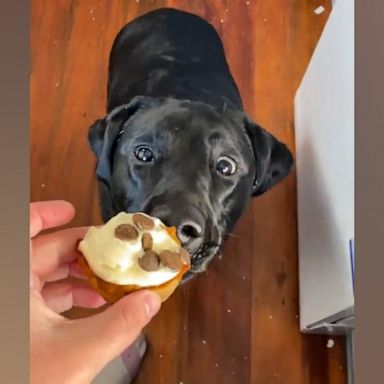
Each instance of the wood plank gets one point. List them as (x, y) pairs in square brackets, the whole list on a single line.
[(238, 322)]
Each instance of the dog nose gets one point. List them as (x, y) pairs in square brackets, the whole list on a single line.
[(188, 231), (189, 222)]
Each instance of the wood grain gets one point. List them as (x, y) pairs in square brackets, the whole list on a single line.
[(237, 323)]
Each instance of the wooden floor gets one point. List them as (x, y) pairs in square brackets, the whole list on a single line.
[(238, 323)]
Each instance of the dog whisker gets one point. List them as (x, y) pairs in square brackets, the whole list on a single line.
[(233, 235), (224, 106)]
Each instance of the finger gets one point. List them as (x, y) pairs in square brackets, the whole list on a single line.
[(34, 281), (61, 296), (115, 328), (75, 271), (65, 270), (49, 214), (53, 249), (62, 272)]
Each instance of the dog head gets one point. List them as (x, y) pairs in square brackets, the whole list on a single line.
[(187, 164)]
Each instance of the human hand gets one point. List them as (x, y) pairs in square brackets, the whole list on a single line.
[(73, 351)]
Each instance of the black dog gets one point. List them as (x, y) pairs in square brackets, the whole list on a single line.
[(176, 142)]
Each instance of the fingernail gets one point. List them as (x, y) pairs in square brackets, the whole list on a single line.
[(152, 304)]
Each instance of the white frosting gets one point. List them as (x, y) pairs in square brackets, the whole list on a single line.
[(116, 261)]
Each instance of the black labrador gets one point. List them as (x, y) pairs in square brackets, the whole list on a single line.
[(176, 142)]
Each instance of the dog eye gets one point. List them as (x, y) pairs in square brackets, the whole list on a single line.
[(144, 154), (226, 166)]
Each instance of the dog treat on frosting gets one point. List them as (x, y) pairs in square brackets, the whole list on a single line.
[(184, 255), (171, 259), (132, 252), (126, 232), (147, 241), (149, 261), (142, 221)]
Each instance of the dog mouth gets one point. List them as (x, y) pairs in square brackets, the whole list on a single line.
[(200, 259), (206, 250)]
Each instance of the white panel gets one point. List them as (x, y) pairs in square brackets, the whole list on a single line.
[(324, 126)]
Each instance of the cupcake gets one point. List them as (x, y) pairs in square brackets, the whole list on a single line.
[(132, 252)]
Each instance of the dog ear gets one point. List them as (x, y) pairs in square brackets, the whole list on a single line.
[(274, 161), (103, 134)]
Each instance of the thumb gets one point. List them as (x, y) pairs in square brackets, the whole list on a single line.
[(104, 336)]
